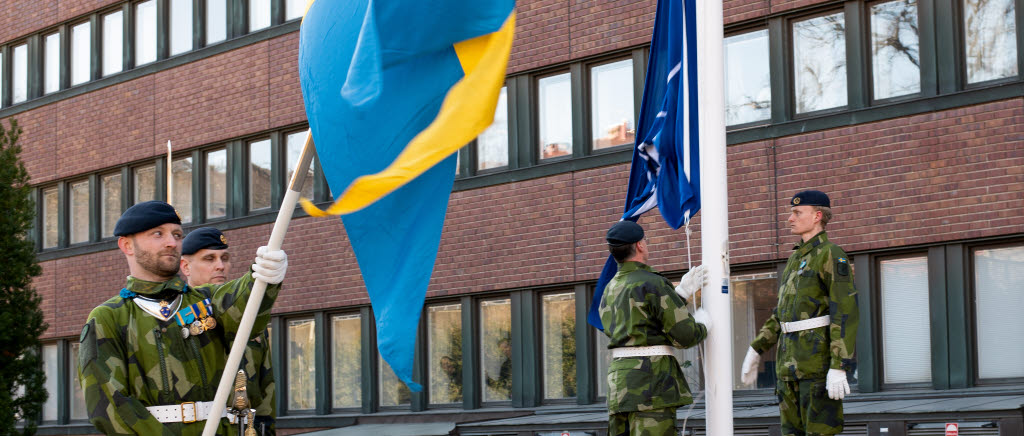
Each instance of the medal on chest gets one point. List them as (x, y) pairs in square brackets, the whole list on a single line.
[(196, 319)]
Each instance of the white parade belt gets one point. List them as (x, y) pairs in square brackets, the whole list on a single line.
[(807, 324), (187, 412), (650, 350)]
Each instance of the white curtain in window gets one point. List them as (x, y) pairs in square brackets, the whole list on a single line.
[(906, 330), (999, 297)]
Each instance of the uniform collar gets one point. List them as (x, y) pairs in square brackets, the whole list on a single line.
[(815, 241), (630, 266), (150, 289)]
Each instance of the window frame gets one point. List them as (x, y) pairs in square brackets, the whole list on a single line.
[(869, 60), (535, 146), (960, 41), (363, 354), (771, 75), (89, 210), (878, 340), (286, 410), (473, 148), (423, 354), (791, 77), (972, 313), (586, 93)]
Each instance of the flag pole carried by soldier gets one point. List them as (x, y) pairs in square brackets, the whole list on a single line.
[(205, 260), (814, 325), (644, 319), (150, 356)]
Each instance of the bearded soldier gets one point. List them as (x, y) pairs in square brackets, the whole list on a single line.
[(645, 318), (151, 356), (205, 260), (814, 324)]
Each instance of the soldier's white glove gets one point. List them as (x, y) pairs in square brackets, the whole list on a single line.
[(270, 266), (693, 280), (836, 384), (701, 316), (748, 372)]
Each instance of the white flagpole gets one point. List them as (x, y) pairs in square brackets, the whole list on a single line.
[(170, 175), (252, 307), (716, 299)]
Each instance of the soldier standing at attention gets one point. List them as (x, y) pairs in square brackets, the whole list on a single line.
[(817, 317), (151, 356), (205, 261), (644, 318)]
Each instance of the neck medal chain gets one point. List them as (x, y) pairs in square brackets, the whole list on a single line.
[(196, 319)]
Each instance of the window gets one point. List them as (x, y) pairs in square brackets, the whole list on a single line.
[(748, 92), (906, 334), (182, 179), (216, 21), (51, 63), (392, 391), (77, 397), (145, 32), (819, 63), (259, 174), (558, 345), (990, 39), (294, 9), (79, 216), (113, 43), (144, 180), (180, 26), (259, 14), (611, 100), (895, 53), (755, 295), (81, 55), (301, 364), (50, 217), (998, 273), (1, 87), (19, 73), (110, 203), (444, 353), (216, 183), (492, 144), (346, 361), (51, 368), (602, 360), (555, 116), (295, 142), (496, 349)]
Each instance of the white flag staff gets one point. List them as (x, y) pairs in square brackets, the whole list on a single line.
[(252, 307), (170, 176)]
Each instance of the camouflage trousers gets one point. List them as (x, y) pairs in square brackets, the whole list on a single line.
[(806, 409), (657, 422)]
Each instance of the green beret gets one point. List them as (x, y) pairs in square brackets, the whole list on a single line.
[(203, 237), (810, 198), (624, 232), (145, 216)]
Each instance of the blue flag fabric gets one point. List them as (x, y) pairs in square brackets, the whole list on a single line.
[(373, 76), (665, 172)]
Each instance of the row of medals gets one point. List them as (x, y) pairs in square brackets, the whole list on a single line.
[(197, 327)]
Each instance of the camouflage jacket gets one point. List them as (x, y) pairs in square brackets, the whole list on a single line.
[(257, 365), (817, 281), (639, 308), (129, 359)]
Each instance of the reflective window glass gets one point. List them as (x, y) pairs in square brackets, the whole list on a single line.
[(895, 52), (113, 43), (906, 334), (50, 369), (611, 100), (392, 391), (998, 274), (216, 21), (755, 296), (110, 203), (301, 364), (259, 174), (295, 142), (145, 32), (19, 73), (81, 55), (748, 92), (496, 349), (50, 217), (216, 183), (79, 216), (294, 9), (444, 353), (555, 116), (990, 39), (180, 26), (603, 360), (492, 144), (558, 344), (144, 179), (346, 360), (1, 87), (182, 192), (819, 63), (259, 14), (51, 63), (77, 395)]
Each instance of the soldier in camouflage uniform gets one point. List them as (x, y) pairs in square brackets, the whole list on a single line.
[(143, 370), (814, 324), (644, 317), (205, 260)]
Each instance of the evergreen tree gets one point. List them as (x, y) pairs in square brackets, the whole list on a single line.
[(21, 321)]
